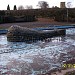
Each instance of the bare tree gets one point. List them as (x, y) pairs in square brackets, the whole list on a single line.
[(29, 7), (69, 5), (43, 4), (20, 7)]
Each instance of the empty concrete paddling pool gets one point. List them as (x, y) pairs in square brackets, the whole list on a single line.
[(19, 34)]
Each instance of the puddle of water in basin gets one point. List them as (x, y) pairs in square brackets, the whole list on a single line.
[(19, 58)]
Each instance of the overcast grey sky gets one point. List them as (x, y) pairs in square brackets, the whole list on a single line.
[(4, 3)]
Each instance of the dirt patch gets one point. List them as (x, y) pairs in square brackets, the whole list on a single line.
[(45, 20)]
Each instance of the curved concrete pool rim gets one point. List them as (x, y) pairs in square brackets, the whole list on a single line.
[(19, 34)]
